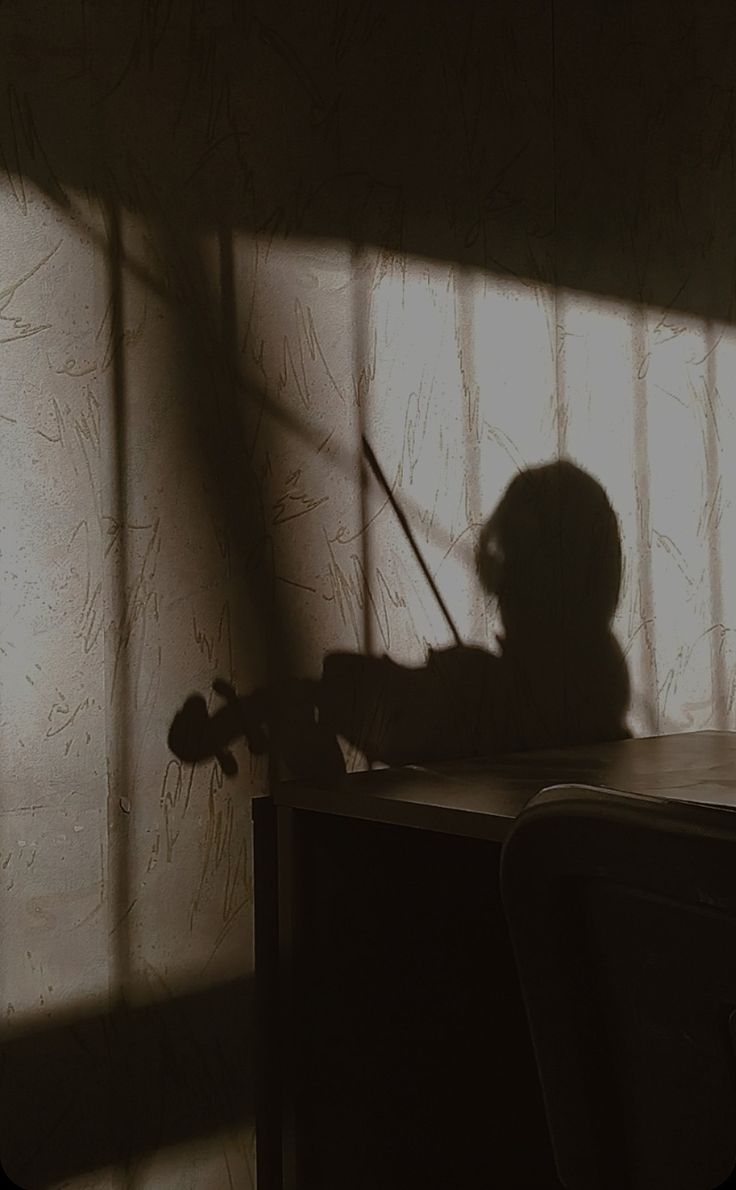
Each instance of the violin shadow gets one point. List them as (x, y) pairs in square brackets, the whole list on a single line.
[(550, 555)]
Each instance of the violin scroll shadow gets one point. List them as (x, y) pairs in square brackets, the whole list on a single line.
[(285, 721), (196, 736)]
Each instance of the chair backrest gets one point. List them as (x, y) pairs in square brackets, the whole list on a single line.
[(6, 1183), (622, 913)]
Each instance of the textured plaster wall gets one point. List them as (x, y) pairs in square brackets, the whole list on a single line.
[(231, 240)]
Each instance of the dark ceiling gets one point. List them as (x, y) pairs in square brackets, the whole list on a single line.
[(587, 145)]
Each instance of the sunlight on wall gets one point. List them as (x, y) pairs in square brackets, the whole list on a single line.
[(52, 722), (468, 379)]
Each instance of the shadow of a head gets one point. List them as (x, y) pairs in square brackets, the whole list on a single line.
[(551, 553)]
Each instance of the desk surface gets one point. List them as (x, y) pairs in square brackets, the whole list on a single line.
[(481, 798)]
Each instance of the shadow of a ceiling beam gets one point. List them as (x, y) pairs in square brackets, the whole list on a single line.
[(183, 1070), (587, 145)]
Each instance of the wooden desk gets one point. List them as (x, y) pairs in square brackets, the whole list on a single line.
[(387, 986)]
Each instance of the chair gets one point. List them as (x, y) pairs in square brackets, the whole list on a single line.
[(6, 1183), (622, 914)]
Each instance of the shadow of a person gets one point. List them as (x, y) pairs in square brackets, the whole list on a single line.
[(551, 555)]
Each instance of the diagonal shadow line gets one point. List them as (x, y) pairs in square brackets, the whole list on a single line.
[(188, 1074), (251, 391)]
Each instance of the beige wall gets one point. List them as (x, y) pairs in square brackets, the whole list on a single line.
[(227, 246)]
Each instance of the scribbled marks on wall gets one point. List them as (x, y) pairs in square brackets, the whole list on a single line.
[(15, 326), (224, 870), (176, 794), (295, 501), (138, 646)]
